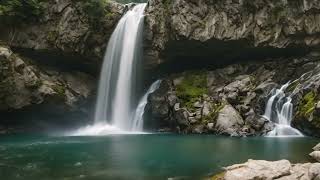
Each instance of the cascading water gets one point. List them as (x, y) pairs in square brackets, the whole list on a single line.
[(279, 110), (115, 102), (138, 118), (118, 75)]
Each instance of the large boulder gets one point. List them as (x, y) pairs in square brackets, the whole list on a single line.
[(282, 170), (315, 155), (229, 121)]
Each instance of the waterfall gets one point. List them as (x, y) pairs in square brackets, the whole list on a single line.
[(279, 110), (115, 102), (138, 117), (116, 111)]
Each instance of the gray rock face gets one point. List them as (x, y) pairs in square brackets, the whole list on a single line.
[(24, 84), (66, 28), (282, 170), (246, 89), (228, 26), (228, 121)]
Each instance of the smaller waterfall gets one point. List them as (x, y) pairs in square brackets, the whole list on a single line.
[(138, 117), (279, 110)]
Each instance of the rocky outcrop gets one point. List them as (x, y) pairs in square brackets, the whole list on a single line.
[(24, 85), (69, 28), (261, 169), (283, 169), (232, 100), (223, 32)]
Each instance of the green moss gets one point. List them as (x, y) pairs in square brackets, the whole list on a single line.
[(96, 11), (307, 105), (59, 89), (192, 87)]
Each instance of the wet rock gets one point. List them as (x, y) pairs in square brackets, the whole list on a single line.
[(182, 118), (255, 121), (199, 129)]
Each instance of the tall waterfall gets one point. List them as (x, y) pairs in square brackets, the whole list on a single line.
[(279, 110), (116, 111), (119, 72)]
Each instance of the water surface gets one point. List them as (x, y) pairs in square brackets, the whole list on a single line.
[(147, 156)]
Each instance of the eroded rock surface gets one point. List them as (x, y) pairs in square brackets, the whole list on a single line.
[(232, 100), (228, 30), (281, 170), (26, 87), (67, 28)]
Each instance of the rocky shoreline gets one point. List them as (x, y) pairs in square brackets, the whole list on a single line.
[(280, 170)]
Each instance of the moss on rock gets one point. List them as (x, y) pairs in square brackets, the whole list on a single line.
[(307, 105), (192, 87)]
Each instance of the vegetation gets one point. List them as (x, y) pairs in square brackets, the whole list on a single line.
[(18, 11), (213, 115), (307, 105), (192, 87)]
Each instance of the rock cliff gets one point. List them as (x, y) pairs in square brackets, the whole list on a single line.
[(226, 31), (26, 85), (74, 30)]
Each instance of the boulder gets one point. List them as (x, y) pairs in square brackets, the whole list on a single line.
[(315, 155), (314, 171), (281, 170), (228, 121), (258, 169)]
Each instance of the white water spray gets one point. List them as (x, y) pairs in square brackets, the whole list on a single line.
[(279, 110)]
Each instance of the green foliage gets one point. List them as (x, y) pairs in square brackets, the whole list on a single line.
[(192, 87), (19, 11), (59, 89), (96, 10), (307, 105)]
